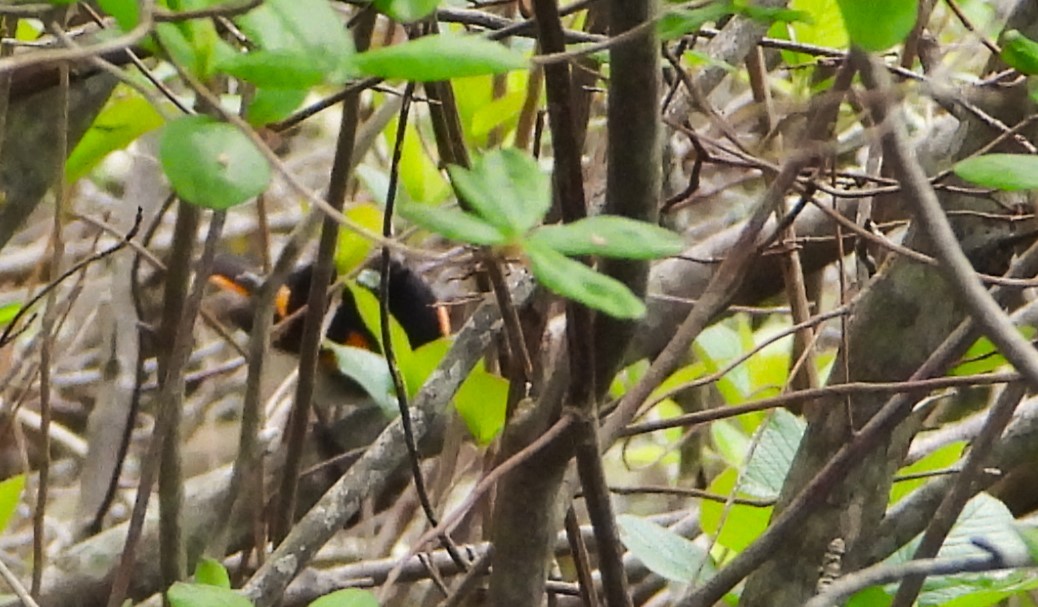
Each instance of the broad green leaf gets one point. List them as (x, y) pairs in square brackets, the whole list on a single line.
[(664, 552), (576, 281), (744, 523), (481, 110), (370, 372), (349, 597), (406, 11), (1008, 172), (212, 573), (481, 402), (506, 188), (273, 68), (125, 117), (210, 163), (126, 12), (453, 224), (730, 442), (876, 25), (370, 312), (199, 595), (10, 493), (771, 14), (309, 30), (610, 236), (678, 22), (1020, 52), (271, 105), (771, 460), (717, 346), (8, 312), (353, 248), (440, 57), (824, 27), (940, 459), (983, 516), (419, 174)]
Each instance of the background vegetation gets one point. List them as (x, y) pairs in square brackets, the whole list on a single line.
[(742, 295)]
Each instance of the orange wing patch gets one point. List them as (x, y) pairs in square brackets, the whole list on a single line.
[(228, 284)]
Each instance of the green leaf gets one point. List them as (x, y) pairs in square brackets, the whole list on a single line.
[(1020, 52), (778, 443), (506, 188), (210, 163), (610, 236), (125, 117), (481, 402), (453, 224), (370, 372), (876, 25), (10, 493), (274, 68), (211, 572), (198, 595), (1008, 172), (941, 459), (419, 174), (984, 357), (353, 248), (743, 523), (350, 597), (8, 312), (370, 312), (406, 11), (441, 57), (678, 22), (126, 12), (308, 30), (580, 283), (664, 552), (271, 105)]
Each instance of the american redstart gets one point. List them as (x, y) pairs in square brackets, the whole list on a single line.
[(411, 302)]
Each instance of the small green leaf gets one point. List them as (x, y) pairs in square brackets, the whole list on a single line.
[(273, 68), (8, 312), (610, 236), (126, 12), (743, 523), (664, 552), (10, 493), (506, 188), (370, 371), (350, 597), (678, 22), (210, 163), (199, 595), (1008, 172), (125, 117), (271, 105), (353, 248), (441, 57), (773, 457), (580, 283), (876, 25), (453, 224), (309, 30), (406, 11), (481, 402), (1020, 52), (211, 572)]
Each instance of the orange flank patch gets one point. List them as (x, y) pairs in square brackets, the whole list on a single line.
[(357, 340), (281, 302), (228, 284), (444, 319)]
